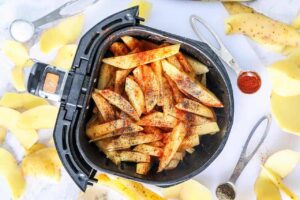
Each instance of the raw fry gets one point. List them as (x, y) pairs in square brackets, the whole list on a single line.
[(184, 62), (158, 119), (120, 102), (131, 156), (128, 140), (157, 69), (119, 49), (171, 147), (105, 76), (208, 128), (135, 95), (197, 66), (185, 83), (147, 149), (137, 59), (143, 168), (195, 107), (129, 129), (178, 96), (106, 110), (102, 129)]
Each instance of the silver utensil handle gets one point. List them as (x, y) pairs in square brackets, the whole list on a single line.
[(56, 14), (244, 159)]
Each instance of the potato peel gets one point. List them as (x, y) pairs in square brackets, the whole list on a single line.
[(21, 101), (42, 163), (12, 173), (66, 32)]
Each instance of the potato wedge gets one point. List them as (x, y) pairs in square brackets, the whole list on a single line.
[(65, 56), (120, 80), (174, 61), (190, 150), (151, 130), (285, 110), (178, 155), (120, 102), (173, 144), (184, 62), (106, 76), (16, 52), (18, 79), (34, 148), (111, 155), (178, 96), (195, 107), (66, 32), (149, 45), (156, 144), (119, 49), (208, 128), (12, 173), (263, 29), (9, 119), (168, 101), (137, 59), (143, 168), (197, 66), (40, 117), (148, 149), (172, 164), (285, 77), (135, 95), (282, 162), (99, 130), (21, 101), (128, 140), (265, 189), (296, 22), (157, 69), (131, 156), (150, 87), (132, 128), (189, 141), (158, 119), (132, 43), (140, 189), (106, 110), (234, 8), (185, 83), (278, 182), (3, 132), (42, 163)]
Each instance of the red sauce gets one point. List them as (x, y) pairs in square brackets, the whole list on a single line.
[(249, 82)]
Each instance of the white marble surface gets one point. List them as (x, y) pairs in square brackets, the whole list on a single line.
[(172, 16)]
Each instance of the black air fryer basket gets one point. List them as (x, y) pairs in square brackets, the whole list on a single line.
[(83, 159)]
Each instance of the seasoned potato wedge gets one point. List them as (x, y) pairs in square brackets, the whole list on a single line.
[(137, 59), (178, 96), (108, 127), (197, 66), (120, 80), (158, 119), (208, 128), (120, 102), (131, 156), (135, 95), (157, 69), (128, 140), (263, 29), (184, 62), (185, 83), (189, 141), (172, 164), (190, 150), (131, 42), (106, 75), (189, 118), (168, 101), (194, 107), (119, 49), (157, 144), (106, 110), (173, 144), (148, 149), (174, 61), (129, 129), (143, 168)]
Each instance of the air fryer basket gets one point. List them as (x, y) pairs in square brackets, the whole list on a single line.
[(83, 159)]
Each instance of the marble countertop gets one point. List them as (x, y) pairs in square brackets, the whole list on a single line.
[(173, 16)]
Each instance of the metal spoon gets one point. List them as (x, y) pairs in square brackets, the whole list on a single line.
[(248, 81), (226, 191), (18, 26)]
